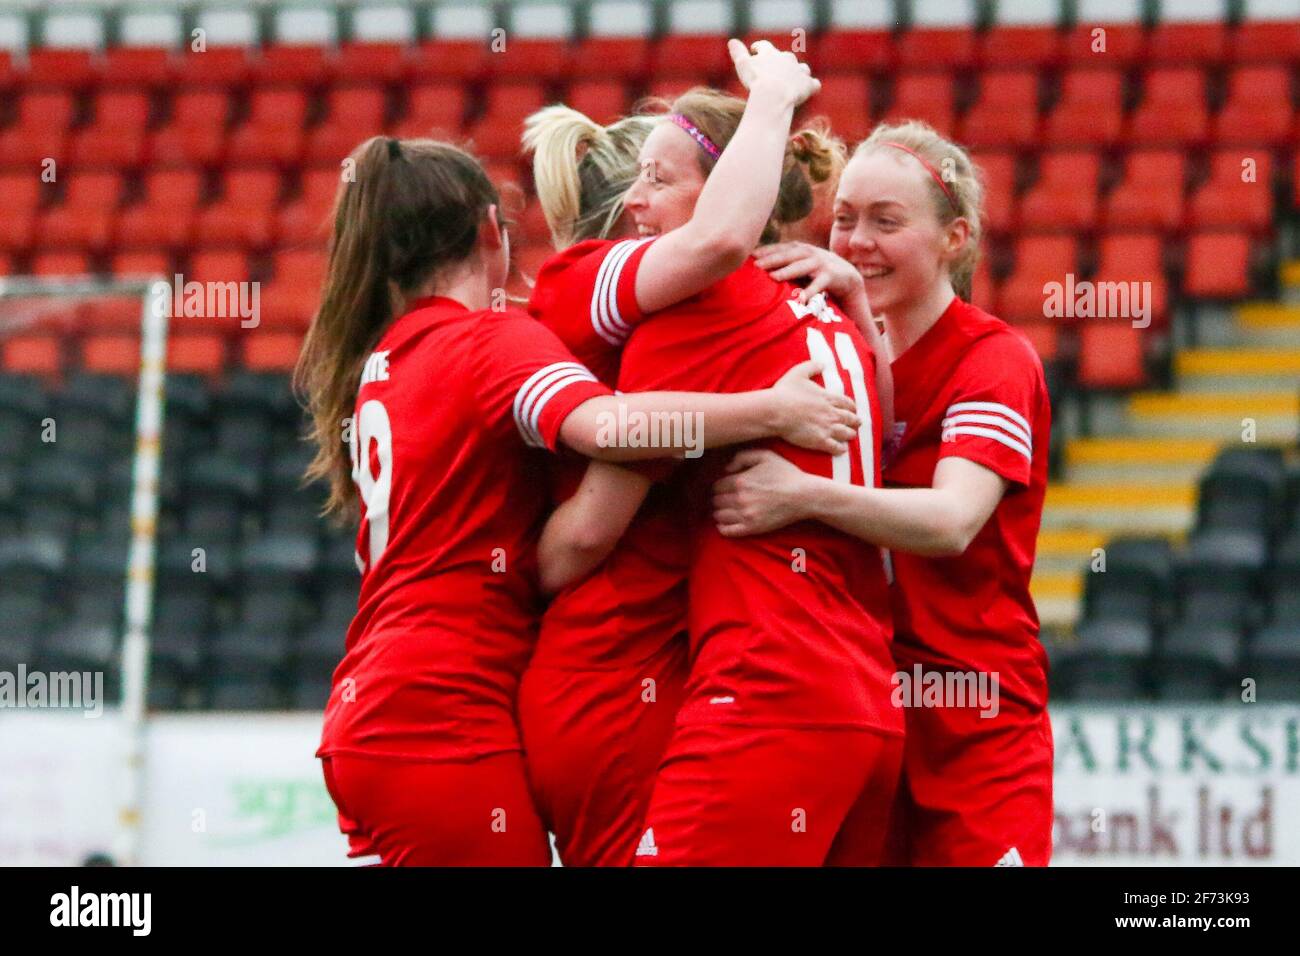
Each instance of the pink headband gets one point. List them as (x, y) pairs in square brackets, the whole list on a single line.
[(952, 200), (706, 144)]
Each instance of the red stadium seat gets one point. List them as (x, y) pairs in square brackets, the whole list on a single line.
[(65, 68), (8, 73), (111, 354), (532, 226), (243, 216), (1090, 110), (60, 263), (33, 354), (433, 109), (999, 171), (1150, 196), (134, 66), (983, 287), (692, 56), (928, 48), (1065, 196), (1006, 113), (274, 130), (1011, 47), (22, 195), (304, 219), (1228, 199), (117, 314), (1295, 182), (854, 51), (1110, 356), (1266, 42), (218, 66), (355, 114), (497, 134), (1172, 111), (845, 100), (602, 100), (270, 351), (165, 217), (1136, 257), (924, 96), (6, 265), (84, 219), (1116, 45), (141, 264), (291, 298), (534, 58), (1045, 337), (1200, 44), (1217, 265), (196, 135), (1038, 261), (41, 131), (196, 353), (624, 58), (291, 64), (465, 61), (117, 137), (1258, 111), (371, 62), (217, 266)]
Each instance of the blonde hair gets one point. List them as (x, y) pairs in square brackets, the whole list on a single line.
[(963, 178), (812, 156), (582, 170)]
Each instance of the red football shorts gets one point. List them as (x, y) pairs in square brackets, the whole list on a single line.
[(425, 813), (730, 795), (593, 741), (976, 791)]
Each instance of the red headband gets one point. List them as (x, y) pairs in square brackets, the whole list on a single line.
[(952, 200)]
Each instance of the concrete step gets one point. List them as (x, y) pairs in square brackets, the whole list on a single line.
[(1057, 596), (1275, 415), (1115, 507), (1066, 550), (1238, 369), (1289, 274), (1269, 324), (1138, 460)]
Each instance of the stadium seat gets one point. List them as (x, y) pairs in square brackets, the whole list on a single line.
[(141, 264), (608, 57), (1273, 661), (304, 220), (1218, 265), (196, 132), (274, 130), (1215, 580), (68, 68), (135, 66), (602, 100), (38, 354), (164, 218), (1243, 490), (1199, 44), (1110, 662), (1006, 113), (1038, 261), (114, 354), (84, 219), (465, 61), (845, 101), (197, 353), (497, 133), (355, 114), (1138, 577), (1089, 111), (116, 138), (921, 48), (1008, 47), (23, 194), (1118, 44), (244, 215), (368, 62), (1065, 196), (1195, 662), (1172, 111), (293, 295), (1136, 257), (433, 109), (270, 351), (692, 56), (1258, 110), (1150, 194), (1110, 356), (924, 96), (861, 52), (1238, 194), (41, 129), (302, 65), (537, 58), (1265, 42), (223, 67)]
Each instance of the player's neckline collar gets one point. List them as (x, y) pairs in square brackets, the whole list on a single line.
[(434, 301)]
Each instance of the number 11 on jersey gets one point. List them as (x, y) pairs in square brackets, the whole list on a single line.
[(819, 349)]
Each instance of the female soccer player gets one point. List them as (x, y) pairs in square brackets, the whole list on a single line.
[(440, 399), (962, 506), (598, 700), (786, 749)]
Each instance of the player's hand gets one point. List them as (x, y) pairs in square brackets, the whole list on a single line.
[(809, 416), (825, 271), (764, 68), (761, 492)]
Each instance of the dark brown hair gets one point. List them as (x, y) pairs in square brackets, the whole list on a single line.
[(404, 210)]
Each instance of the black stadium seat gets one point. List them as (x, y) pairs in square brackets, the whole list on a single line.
[(1196, 661), (1243, 490), (1273, 661), (1110, 660), (1135, 584)]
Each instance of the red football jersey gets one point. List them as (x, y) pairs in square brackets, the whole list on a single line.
[(973, 387), (791, 628), (635, 602), (450, 404)]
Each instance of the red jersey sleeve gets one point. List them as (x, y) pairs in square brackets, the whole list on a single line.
[(587, 294), (525, 368), (992, 404)]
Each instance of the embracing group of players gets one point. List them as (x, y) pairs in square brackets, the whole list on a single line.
[(663, 660)]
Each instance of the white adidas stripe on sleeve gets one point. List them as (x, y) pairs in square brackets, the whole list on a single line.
[(605, 316), (538, 390), (989, 420)]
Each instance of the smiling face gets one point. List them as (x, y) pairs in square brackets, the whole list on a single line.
[(663, 197), (887, 225)]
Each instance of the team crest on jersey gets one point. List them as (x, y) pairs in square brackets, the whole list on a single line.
[(817, 307)]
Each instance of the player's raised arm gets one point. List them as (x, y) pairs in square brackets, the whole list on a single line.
[(705, 241)]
